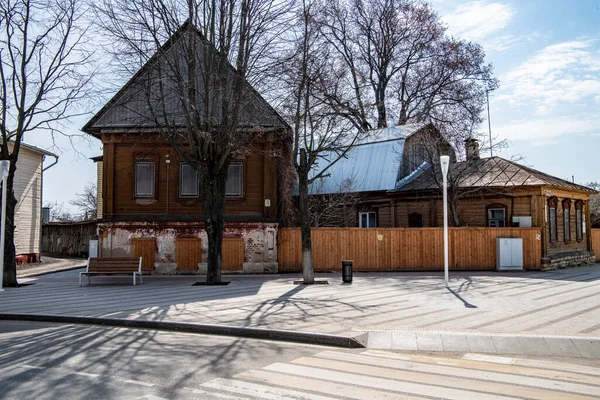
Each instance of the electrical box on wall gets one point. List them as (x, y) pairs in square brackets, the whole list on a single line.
[(509, 254)]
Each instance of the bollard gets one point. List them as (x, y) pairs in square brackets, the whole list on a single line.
[(347, 271)]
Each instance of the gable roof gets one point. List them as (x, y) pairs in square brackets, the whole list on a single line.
[(492, 172), (123, 110), (371, 165)]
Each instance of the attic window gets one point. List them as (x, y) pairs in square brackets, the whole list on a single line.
[(145, 172)]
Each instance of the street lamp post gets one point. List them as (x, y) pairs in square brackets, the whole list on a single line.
[(445, 163), (4, 165)]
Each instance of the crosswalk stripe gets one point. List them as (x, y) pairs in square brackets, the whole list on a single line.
[(578, 369), (462, 369), (544, 369), (261, 391), (382, 383), (455, 378), (331, 388)]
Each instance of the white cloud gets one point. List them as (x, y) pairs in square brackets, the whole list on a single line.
[(559, 74), (541, 131), (478, 20)]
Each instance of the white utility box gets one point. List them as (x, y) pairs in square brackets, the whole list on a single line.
[(93, 249), (509, 254)]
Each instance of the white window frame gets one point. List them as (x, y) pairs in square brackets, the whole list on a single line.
[(152, 194), (182, 165), (492, 222), (241, 178), (368, 213)]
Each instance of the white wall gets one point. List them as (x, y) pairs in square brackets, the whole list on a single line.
[(28, 191)]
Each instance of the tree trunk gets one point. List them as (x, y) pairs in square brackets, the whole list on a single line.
[(308, 272), (10, 266), (213, 210)]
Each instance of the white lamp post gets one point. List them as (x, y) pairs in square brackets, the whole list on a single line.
[(4, 165), (445, 163)]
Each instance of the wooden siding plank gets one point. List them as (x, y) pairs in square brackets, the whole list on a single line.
[(596, 242)]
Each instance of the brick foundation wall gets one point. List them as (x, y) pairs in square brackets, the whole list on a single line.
[(567, 260)]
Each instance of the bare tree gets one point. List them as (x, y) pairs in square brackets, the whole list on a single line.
[(320, 137), (44, 72), (595, 205), (395, 56), (191, 94), (86, 202), (337, 209), (58, 212)]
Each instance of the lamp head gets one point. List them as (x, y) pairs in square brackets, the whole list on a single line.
[(445, 163), (4, 166)]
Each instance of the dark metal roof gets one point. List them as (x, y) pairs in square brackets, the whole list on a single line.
[(493, 172)]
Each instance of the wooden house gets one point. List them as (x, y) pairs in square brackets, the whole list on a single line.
[(149, 201), (398, 184), (28, 192)]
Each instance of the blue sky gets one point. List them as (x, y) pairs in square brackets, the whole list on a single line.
[(546, 54)]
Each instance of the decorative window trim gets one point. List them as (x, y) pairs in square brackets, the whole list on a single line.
[(360, 214), (566, 205), (553, 224), (496, 206), (136, 193), (579, 221), (183, 164), (241, 192)]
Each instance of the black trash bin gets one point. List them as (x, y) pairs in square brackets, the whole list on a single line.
[(347, 271)]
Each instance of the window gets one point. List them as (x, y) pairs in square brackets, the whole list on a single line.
[(415, 220), (188, 181), (567, 219), (145, 179), (552, 204), (367, 219), (579, 220), (496, 217), (235, 179)]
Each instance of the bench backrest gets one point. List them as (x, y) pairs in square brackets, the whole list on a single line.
[(115, 264)]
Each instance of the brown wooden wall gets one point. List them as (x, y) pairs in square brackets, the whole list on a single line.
[(387, 249), (596, 243), (120, 155)]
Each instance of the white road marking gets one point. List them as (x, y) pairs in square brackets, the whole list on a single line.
[(31, 366), (139, 383), (208, 394), (86, 374), (486, 358)]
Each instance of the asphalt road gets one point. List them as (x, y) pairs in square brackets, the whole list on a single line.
[(53, 361)]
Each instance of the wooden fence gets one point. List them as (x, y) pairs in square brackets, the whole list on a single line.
[(68, 239), (393, 249), (596, 243)]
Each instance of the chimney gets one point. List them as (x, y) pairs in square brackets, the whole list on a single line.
[(472, 146)]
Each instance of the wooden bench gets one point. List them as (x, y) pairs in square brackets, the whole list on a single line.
[(113, 266)]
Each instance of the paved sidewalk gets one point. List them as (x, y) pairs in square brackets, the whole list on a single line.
[(555, 313), (49, 265)]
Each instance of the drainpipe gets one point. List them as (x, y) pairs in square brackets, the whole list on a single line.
[(42, 198)]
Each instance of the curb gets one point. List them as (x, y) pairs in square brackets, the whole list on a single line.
[(219, 330), (49, 272)]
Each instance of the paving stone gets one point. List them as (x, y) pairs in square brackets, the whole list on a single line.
[(562, 347), (507, 345), (380, 340), (481, 344), (455, 343), (404, 341), (588, 348), (534, 346), (427, 341)]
